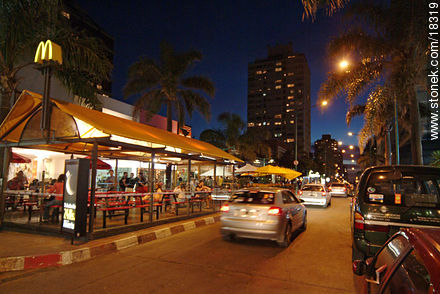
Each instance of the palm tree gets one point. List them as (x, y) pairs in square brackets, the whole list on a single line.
[(311, 7), (389, 54), (233, 128), (165, 83), (23, 24)]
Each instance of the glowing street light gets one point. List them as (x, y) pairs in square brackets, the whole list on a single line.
[(324, 103), (351, 147), (343, 64), (350, 134), (340, 143)]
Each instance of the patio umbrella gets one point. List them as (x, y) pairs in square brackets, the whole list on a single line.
[(17, 158), (276, 170), (248, 168), (100, 164)]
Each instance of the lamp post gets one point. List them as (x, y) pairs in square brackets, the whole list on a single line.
[(48, 54), (323, 104)]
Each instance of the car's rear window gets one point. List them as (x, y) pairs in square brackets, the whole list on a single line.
[(408, 189), (253, 197), (313, 188)]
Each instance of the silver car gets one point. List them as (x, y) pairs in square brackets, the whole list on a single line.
[(315, 194), (338, 189), (263, 213)]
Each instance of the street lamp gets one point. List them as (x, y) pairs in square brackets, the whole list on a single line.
[(323, 104), (343, 64)]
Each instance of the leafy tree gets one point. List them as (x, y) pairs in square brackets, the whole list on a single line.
[(214, 137), (436, 158), (23, 24), (389, 58), (165, 82)]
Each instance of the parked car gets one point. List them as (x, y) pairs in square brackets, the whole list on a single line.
[(315, 194), (409, 262), (263, 213), (389, 198), (338, 189)]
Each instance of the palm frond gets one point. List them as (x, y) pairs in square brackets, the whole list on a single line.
[(196, 101), (330, 7), (355, 110), (199, 83)]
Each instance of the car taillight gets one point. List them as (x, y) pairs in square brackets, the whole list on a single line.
[(300, 192), (274, 211), (224, 208), (344, 189), (358, 221), (329, 188), (323, 194)]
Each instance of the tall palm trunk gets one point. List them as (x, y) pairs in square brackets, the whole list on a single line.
[(169, 117), (169, 129), (416, 138)]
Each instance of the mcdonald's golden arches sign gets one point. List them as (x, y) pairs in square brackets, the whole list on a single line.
[(48, 51)]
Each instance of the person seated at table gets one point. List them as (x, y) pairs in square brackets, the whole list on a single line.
[(19, 182), (157, 196), (58, 189), (205, 196), (180, 191)]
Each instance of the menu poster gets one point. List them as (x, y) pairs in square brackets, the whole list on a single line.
[(75, 197)]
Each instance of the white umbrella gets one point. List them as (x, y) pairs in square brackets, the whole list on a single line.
[(219, 172), (248, 168)]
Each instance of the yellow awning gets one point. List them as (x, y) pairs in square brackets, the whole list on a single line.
[(101, 124)]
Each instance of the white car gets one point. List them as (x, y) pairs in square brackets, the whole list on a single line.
[(315, 194)]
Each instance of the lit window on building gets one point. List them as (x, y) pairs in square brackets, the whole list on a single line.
[(277, 135), (290, 74), (259, 72), (343, 150), (264, 94), (289, 110), (290, 85), (278, 68), (277, 116), (278, 87), (259, 124), (300, 91), (290, 140), (279, 63), (277, 123), (292, 121), (278, 81), (287, 104), (264, 123), (251, 124), (291, 56), (289, 97)]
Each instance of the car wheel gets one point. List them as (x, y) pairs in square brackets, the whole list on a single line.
[(287, 236), (329, 203), (304, 225), (228, 237)]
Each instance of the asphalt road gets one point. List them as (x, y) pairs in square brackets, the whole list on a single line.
[(199, 261)]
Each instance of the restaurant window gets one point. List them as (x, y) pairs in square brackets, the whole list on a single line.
[(278, 69)]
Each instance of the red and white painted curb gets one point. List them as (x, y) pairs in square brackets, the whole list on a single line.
[(73, 256)]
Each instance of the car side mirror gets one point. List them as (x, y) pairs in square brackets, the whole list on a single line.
[(359, 267)]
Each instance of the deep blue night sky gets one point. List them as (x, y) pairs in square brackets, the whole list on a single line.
[(230, 34)]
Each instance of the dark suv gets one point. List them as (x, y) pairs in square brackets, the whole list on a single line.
[(390, 197), (408, 263)]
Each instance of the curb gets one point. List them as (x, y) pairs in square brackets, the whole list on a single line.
[(20, 263)]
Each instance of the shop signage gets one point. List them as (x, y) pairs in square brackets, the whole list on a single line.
[(76, 196), (47, 51)]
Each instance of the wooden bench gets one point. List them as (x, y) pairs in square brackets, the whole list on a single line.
[(115, 206)]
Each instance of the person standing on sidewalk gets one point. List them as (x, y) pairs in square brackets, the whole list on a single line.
[(58, 189)]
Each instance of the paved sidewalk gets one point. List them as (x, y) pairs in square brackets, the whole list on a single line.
[(22, 251)]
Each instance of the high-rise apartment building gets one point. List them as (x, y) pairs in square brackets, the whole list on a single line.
[(279, 97), (329, 157)]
